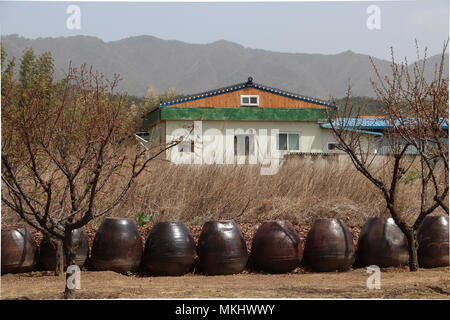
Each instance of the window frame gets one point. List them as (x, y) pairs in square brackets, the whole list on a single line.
[(249, 104), (335, 148), (251, 144), (287, 141)]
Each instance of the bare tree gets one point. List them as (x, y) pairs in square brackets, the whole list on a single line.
[(62, 143), (415, 116)]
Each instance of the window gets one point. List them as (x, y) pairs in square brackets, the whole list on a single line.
[(244, 145), (289, 141), (332, 146), (186, 146), (249, 101)]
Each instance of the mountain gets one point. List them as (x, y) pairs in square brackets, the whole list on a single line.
[(145, 61)]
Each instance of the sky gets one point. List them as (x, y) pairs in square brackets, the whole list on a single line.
[(300, 27)]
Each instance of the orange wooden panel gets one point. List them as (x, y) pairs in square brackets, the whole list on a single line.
[(232, 99)]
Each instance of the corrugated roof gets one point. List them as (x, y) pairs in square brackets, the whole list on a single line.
[(375, 123), (358, 123), (243, 85)]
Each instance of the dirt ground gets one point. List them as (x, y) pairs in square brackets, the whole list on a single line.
[(396, 283)]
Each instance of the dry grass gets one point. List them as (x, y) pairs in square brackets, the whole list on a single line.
[(302, 190)]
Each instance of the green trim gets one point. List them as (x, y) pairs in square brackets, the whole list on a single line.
[(242, 113)]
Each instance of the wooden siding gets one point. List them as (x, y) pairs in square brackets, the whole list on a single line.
[(232, 99)]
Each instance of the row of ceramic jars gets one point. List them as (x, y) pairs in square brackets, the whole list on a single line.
[(170, 248), (329, 245), (276, 247), (19, 253), (381, 243)]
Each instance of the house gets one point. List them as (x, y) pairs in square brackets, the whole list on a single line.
[(378, 127), (242, 123)]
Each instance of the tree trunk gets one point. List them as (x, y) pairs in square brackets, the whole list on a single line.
[(59, 267), (69, 292), (412, 248)]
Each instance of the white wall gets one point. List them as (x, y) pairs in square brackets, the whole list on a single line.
[(212, 144)]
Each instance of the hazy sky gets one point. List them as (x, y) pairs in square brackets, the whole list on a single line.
[(307, 27)]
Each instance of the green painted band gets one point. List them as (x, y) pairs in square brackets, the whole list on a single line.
[(242, 113)]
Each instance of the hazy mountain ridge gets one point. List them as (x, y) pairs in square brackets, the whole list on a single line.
[(145, 61)]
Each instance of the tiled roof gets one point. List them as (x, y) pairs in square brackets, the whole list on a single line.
[(243, 85)]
